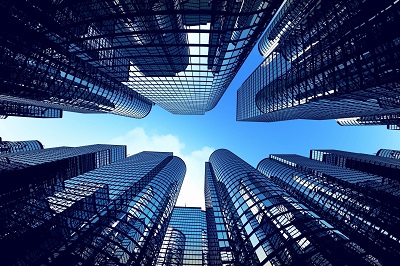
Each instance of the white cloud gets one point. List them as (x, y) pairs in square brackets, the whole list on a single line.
[(192, 192)]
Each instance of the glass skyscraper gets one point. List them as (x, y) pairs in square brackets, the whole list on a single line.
[(327, 59), (185, 242), (358, 204), (120, 57), (268, 226), (99, 207), (92, 205)]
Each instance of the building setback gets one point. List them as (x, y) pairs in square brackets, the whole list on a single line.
[(327, 60), (117, 213), (267, 225), (120, 56)]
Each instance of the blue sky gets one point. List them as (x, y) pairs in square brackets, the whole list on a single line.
[(193, 138)]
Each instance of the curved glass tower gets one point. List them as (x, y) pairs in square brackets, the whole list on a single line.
[(367, 214), (268, 226), (326, 60), (19, 146)]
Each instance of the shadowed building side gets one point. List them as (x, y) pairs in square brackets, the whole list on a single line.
[(366, 220), (326, 60), (117, 214)]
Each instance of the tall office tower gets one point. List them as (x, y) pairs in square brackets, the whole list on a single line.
[(268, 226), (389, 153), (372, 164), (19, 146), (117, 214), (102, 56), (327, 59), (28, 177), (185, 242), (54, 59), (358, 204)]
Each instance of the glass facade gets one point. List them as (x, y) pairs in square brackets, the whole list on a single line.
[(388, 153), (19, 146), (28, 176), (267, 226), (120, 56), (324, 60), (117, 214), (366, 215), (28, 171), (220, 245), (185, 242), (46, 64), (8, 108), (377, 165), (392, 121)]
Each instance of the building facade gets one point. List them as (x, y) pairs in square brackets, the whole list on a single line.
[(99, 208), (268, 226), (327, 60), (386, 167), (19, 146), (388, 153), (185, 242), (120, 57), (357, 203)]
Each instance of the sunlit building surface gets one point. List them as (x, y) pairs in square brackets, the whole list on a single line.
[(389, 153), (116, 214), (359, 204), (268, 226), (185, 242), (327, 59), (19, 146), (120, 57)]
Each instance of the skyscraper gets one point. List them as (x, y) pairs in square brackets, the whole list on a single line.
[(117, 213), (358, 204), (28, 177), (185, 242), (120, 56), (267, 225), (19, 146), (324, 60)]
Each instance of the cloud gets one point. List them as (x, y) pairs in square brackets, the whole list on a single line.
[(192, 191)]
